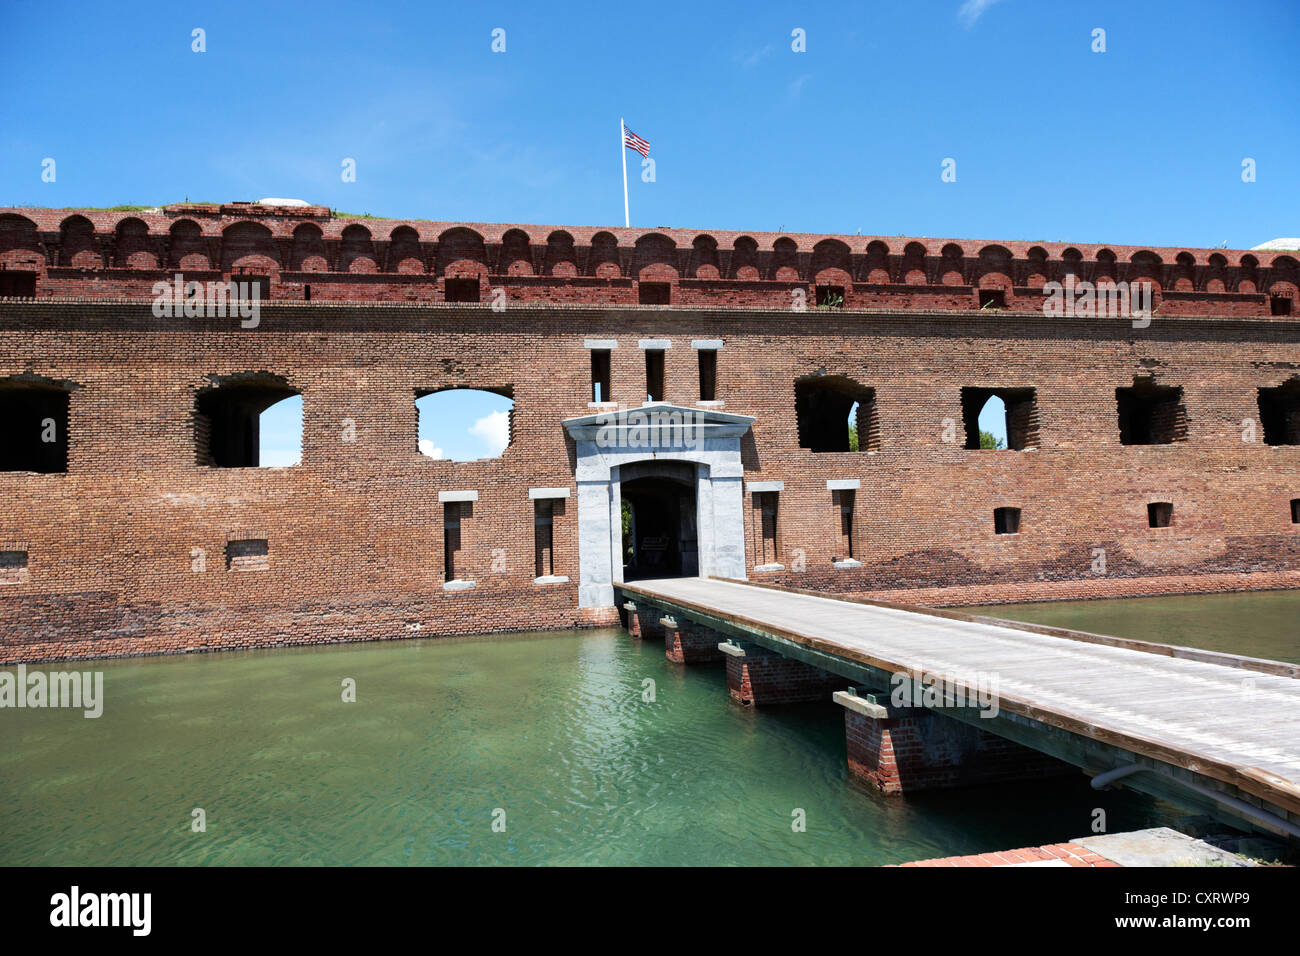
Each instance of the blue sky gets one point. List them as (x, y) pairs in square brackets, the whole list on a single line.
[(1142, 144)]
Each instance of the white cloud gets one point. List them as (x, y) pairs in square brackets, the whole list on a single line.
[(972, 10), (750, 60), (427, 448), (494, 430)]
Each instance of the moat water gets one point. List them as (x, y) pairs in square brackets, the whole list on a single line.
[(1258, 624), (552, 729)]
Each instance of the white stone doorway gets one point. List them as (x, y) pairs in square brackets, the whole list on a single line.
[(653, 449)]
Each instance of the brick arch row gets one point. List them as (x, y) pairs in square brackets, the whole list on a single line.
[(142, 241)]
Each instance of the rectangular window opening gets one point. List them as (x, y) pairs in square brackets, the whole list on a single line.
[(34, 429), (16, 283), (1160, 514), (1006, 520), (228, 421), (543, 538), (708, 375), (830, 296), (654, 375), (1279, 305), (600, 375), (249, 279), (1151, 415), (13, 566), (835, 414), (1279, 414), (1000, 418), (845, 500), (654, 293), (461, 290), (452, 513), (993, 299), (247, 554), (769, 548), (1295, 510)]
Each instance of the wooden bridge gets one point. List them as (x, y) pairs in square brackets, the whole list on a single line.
[(1216, 733)]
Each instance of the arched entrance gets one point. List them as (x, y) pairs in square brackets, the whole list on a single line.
[(692, 457), (660, 537)]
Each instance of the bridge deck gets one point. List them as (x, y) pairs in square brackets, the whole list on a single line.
[(1239, 726)]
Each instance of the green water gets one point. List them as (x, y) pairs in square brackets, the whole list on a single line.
[(1258, 624), (550, 728)]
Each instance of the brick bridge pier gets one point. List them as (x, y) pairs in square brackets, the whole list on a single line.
[(892, 749)]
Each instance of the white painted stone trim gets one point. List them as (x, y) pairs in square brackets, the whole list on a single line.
[(843, 484), (655, 345), (860, 705), (551, 579), (752, 487), (770, 567), (600, 344), (457, 585), (548, 492), (846, 564), (445, 496), (602, 404), (719, 491), (706, 345), (717, 404)]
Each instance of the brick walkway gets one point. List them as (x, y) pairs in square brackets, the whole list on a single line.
[(1054, 854)]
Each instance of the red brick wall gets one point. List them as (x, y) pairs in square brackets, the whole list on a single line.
[(100, 253), (355, 531)]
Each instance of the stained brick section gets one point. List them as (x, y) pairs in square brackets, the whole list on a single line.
[(639, 620), (762, 679), (921, 750), (686, 642)]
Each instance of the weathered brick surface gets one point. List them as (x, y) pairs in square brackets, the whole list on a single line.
[(355, 530), (690, 643), (924, 750), (763, 679)]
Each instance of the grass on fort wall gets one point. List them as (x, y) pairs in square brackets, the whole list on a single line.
[(336, 213)]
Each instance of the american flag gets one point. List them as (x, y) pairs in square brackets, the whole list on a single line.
[(632, 141)]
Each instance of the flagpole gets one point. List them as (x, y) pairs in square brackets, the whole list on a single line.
[(622, 148)]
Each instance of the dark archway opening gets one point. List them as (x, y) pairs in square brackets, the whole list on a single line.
[(835, 414), (227, 419), (1151, 414), (33, 428), (659, 524), (1279, 413)]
